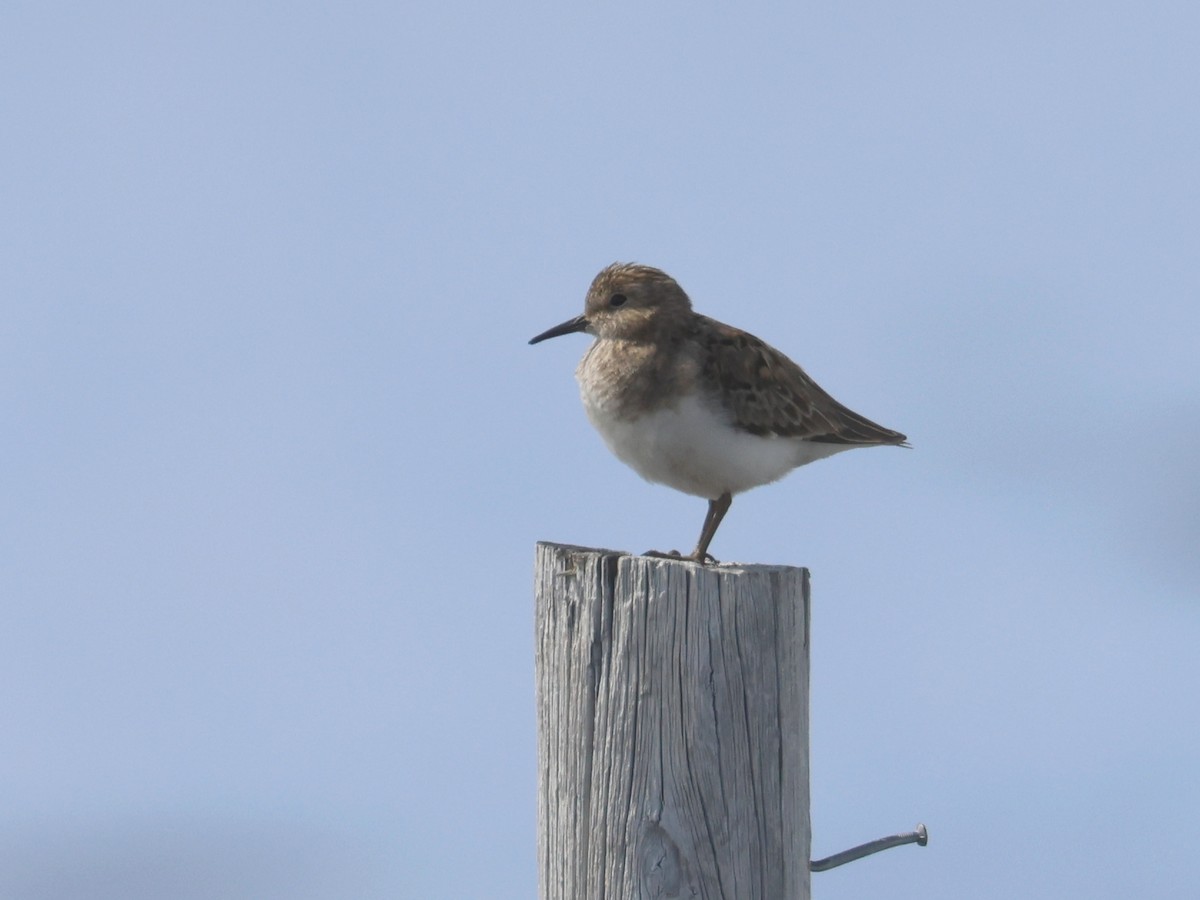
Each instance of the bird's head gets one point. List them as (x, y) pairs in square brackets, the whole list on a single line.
[(626, 301)]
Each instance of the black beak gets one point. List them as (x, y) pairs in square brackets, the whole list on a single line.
[(579, 323)]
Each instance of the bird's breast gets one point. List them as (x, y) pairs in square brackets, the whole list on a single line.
[(659, 418)]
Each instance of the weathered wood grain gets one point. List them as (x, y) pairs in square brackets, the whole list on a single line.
[(672, 728)]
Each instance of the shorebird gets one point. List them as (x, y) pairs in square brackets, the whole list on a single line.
[(696, 404)]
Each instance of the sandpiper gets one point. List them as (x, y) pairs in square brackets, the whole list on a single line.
[(695, 404)]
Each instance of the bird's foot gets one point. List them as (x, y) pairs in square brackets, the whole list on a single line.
[(658, 554), (703, 558)]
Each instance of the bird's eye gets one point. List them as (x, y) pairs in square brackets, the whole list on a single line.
[(617, 300)]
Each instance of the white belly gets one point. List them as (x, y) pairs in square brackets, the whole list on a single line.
[(691, 448)]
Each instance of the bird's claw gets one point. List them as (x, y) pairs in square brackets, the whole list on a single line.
[(704, 559)]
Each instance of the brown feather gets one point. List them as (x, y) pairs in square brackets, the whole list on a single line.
[(767, 394)]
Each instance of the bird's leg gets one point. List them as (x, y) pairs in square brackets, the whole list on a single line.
[(716, 512)]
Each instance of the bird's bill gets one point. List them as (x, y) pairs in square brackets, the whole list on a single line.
[(579, 323)]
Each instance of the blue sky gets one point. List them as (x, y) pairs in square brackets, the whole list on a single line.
[(277, 453)]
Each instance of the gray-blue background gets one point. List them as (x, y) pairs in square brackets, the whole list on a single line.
[(276, 454)]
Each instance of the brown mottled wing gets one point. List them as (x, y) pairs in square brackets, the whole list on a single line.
[(767, 393)]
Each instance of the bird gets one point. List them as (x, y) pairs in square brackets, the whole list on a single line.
[(698, 405)]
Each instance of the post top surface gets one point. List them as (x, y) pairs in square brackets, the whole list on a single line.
[(600, 552)]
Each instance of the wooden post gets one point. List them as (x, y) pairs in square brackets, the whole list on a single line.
[(672, 728)]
